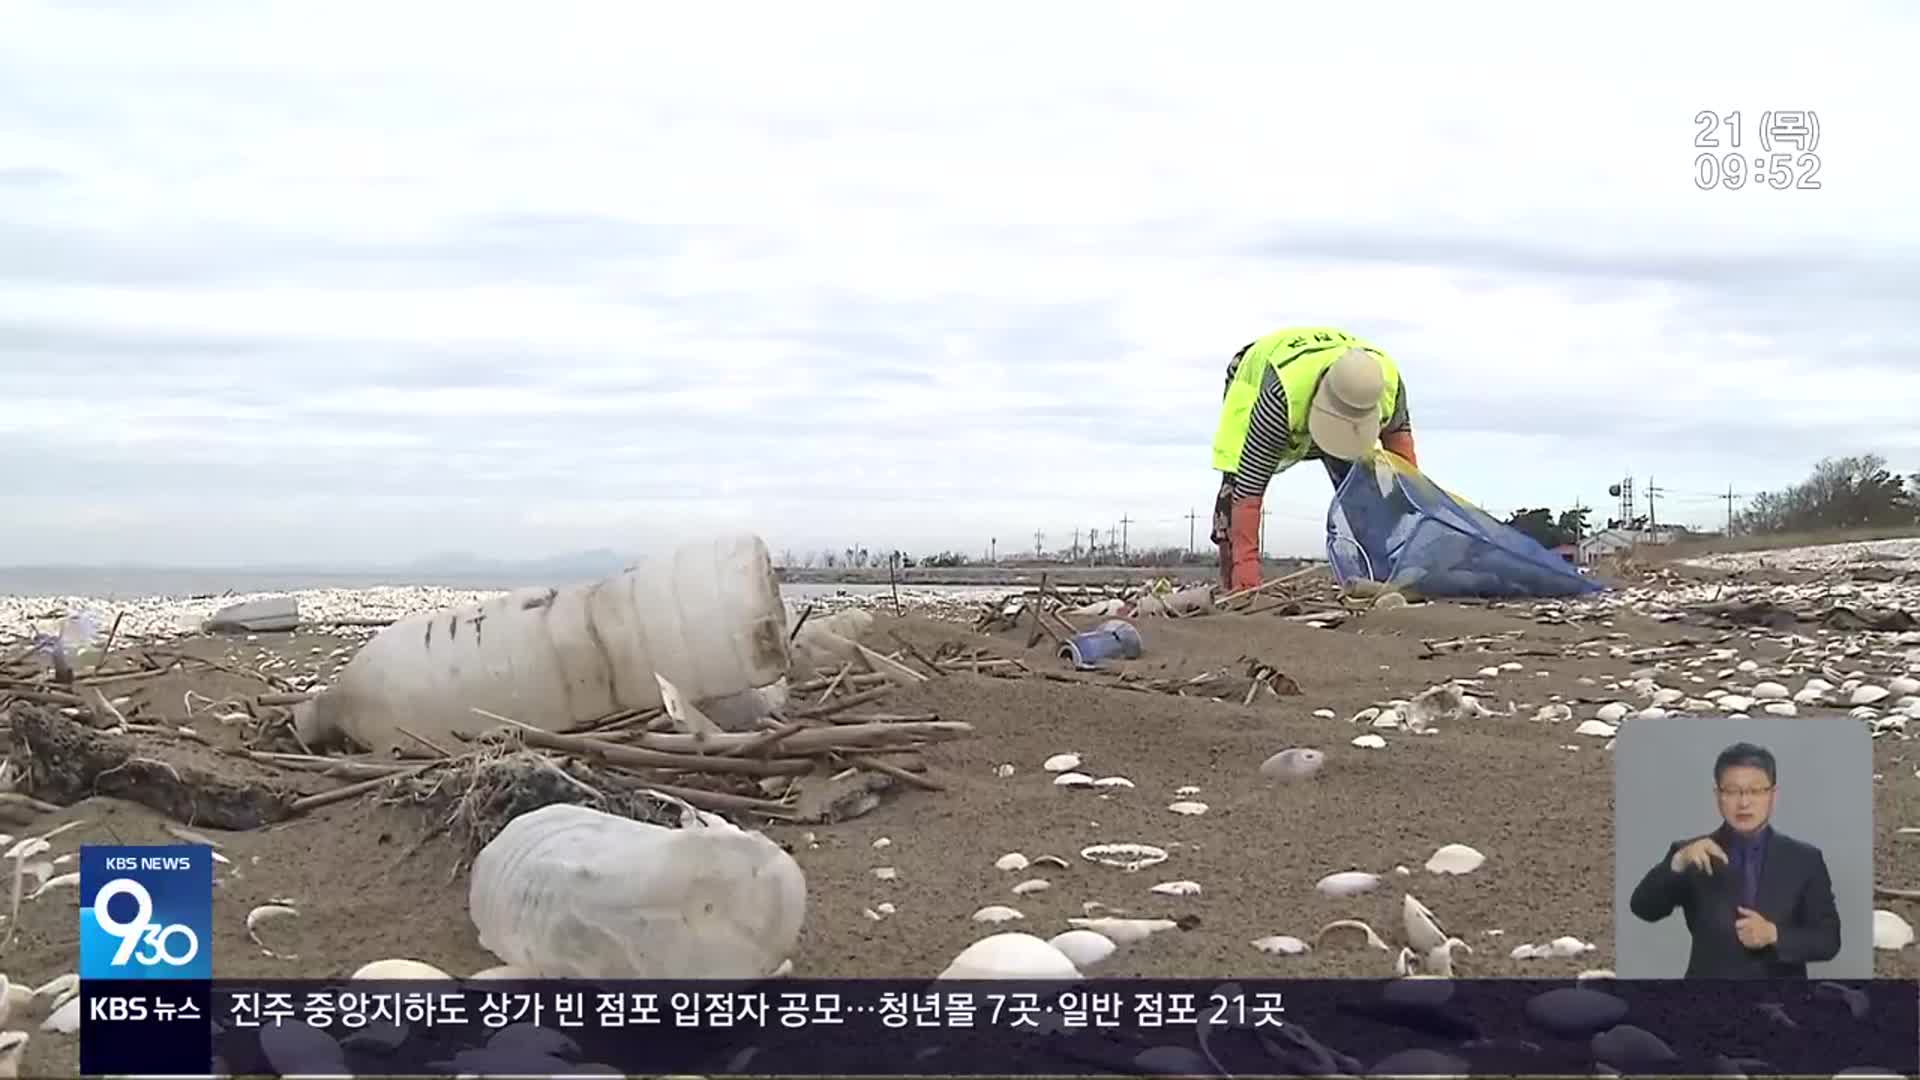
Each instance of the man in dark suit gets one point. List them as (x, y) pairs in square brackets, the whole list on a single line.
[(1758, 903)]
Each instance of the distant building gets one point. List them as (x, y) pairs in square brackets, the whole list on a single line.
[(1569, 552), (1604, 543)]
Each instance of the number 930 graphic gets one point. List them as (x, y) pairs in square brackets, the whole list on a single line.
[(141, 941)]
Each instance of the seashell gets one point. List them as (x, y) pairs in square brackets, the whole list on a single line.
[(883, 842), (1188, 808), (399, 970), (1012, 860), (1032, 885), (1903, 686), (1611, 713), (1178, 888), (1531, 952), (1113, 782), (1780, 708), (1455, 859), (1282, 945), (1488, 673), (1061, 763), (1297, 763), (1325, 714), (1747, 667), (1051, 860), (997, 913), (1770, 691), (1424, 932), (265, 913), (13, 1044), (1003, 770), (1186, 791), (1734, 703), (1651, 712), (65, 1020), (1086, 948), (1348, 883), (886, 873), (1372, 939), (1438, 961), (1568, 946), (1363, 716), (1668, 697), (1553, 714), (1124, 931), (1868, 695), (1128, 857), (1011, 956), (1388, 718), (1596, 974), (1073, 779), (1890, 931), (1370, 742), (1596, 728)]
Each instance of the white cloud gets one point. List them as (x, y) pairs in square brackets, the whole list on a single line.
[(365, 281)]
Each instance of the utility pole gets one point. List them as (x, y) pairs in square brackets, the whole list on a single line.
[(1262, 542), (1038, 536), (1124, 523), (1093, 547), (1729, 509), (1191, 518), (993, 550), (1075, 556), (1653, 493)]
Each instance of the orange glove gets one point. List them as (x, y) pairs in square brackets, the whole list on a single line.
[(1244, 533), (1400, 443)]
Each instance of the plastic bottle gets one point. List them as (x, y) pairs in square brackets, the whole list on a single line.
[(570, 892), (707, 616)]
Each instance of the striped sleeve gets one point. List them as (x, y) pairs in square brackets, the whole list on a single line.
[(1399, 421), (1268, 437)]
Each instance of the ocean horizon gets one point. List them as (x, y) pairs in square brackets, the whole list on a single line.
[(109, 583)]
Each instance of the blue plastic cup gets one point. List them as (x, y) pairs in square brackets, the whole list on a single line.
[(1115, 639)]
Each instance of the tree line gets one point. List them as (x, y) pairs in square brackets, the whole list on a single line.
[(1856, 492)]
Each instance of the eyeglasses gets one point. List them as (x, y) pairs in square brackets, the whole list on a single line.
[(1751, 793)]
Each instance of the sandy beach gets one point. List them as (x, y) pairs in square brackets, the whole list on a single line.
[(375, 876)]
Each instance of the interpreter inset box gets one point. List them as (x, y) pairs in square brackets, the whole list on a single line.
[(1743, 848)]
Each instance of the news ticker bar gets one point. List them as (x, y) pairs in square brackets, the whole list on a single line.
[(916, 1027)]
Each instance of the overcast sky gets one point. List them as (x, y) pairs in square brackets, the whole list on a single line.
[(346, 282)]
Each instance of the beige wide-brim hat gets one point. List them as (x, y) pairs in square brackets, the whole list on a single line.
[(1344, 418)]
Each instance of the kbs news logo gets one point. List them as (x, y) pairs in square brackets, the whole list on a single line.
[(146, 912)]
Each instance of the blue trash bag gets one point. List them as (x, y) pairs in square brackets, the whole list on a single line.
[(1408, 532)]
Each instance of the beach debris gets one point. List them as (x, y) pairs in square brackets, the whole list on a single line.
[(1282, 945), (1295, 763), (997, 913), (1060, 763), (1087, 949), (1113, 782), (264, 914), (1124, 931), (1346, 928), (1126, 856), (1347, 883), (1423, 930), (1188, 808), (65, 1019), (264, 615), (1370, 742), (1011, 861), (1177, 888), (1455, 859), (1598, 729), (1890, 931), (1032, 885)]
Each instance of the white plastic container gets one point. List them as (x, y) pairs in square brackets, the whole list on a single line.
[(707, 616), (570, 892)]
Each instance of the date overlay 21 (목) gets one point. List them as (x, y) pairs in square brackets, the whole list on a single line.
[(1777, 149)]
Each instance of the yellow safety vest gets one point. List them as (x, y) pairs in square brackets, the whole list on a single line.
[(1299, 355)]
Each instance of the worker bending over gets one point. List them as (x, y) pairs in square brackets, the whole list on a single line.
[(1299, 394)]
